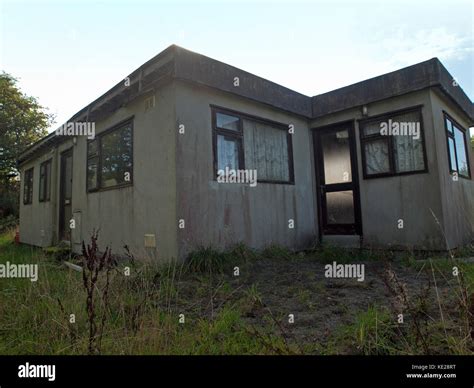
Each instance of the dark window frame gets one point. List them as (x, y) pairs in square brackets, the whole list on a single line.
[(239, 135), (44, 194), (363, 139), (452, 136), (28, 176), (98, 155)]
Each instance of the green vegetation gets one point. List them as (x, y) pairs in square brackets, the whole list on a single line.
[(200, 307), (23, 121)]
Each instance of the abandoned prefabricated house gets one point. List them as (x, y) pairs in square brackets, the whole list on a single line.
[(188, 151)]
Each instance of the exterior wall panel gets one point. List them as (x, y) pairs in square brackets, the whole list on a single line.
[(222, 214)]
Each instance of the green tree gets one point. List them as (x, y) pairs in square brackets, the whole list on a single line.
[(23, 121)]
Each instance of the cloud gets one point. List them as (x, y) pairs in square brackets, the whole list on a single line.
[(409, 48)]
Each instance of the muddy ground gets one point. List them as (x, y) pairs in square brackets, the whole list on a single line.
[(267, 291)]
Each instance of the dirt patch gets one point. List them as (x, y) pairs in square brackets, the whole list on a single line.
[(267, 291)]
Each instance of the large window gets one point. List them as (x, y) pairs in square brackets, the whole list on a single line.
[(393, 144), (247, 142), (110, 158), (45, 181), (457, 147), (28, 187)]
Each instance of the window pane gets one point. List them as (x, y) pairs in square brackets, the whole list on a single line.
[(45, 181), (92, 170), (68, 177), (227, 122), (28, 187), (116, 154), (452, 155), (407, 142), (48, 181), (461, 152), (266, 150), (371, 128), (25, 188), (449, 125), (227, 153), (42, 182), (92, 148), (376, 157), (340, 207), (337, 157), (408, 154)]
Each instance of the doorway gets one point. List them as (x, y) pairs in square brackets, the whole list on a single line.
[(65, 196), (337, 180)]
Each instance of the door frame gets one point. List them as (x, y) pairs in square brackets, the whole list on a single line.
[(61, 225), (318, 163)]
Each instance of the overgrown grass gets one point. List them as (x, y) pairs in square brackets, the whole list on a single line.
[(35, 317), (199, 308)]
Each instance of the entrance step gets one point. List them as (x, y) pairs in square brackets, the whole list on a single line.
[(343, 241)]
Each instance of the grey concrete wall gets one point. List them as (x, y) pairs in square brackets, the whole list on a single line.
[(38, 220), (457, 196), (221, 214), (173, 179), (409, 197), (123, 215)]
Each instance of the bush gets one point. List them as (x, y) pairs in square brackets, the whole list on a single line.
[(9, 200), (7, 223)]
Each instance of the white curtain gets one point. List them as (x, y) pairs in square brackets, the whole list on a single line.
[(228, 153), (376, 157), (266, 150), (408, 148)]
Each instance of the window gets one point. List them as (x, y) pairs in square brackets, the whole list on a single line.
[(228, 138), (457, 147), (110, 158), (393, 144), (246, 142), (45, 181), (28, 187)]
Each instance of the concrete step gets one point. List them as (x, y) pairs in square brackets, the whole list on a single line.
[(343, 241)]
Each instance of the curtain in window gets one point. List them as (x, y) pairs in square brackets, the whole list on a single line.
[(408, 149), (376, 157), (266, 150), (408, 154), (227, 153)]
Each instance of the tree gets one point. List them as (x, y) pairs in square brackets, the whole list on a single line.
[(23, 121)]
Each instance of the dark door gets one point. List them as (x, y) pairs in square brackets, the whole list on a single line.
[(65, 201), (337, 180)]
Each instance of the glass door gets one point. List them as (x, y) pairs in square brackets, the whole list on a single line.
[(337, 181)]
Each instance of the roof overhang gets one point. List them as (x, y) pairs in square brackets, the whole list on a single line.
[(181, 64)]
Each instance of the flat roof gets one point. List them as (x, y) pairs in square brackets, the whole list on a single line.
[(178, 63)]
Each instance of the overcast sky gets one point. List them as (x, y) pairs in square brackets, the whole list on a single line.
[(68, 53)]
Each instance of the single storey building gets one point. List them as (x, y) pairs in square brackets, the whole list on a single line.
[(189, 151)]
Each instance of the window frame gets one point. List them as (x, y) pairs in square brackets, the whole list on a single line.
[(452, 136), (98, 155), (240, 135), (363, 139), (28, 183), (47, 186)]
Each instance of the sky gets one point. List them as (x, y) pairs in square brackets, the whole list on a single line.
[(68, 53)]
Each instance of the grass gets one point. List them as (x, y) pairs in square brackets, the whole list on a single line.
[(223, 314), (141, 319)]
